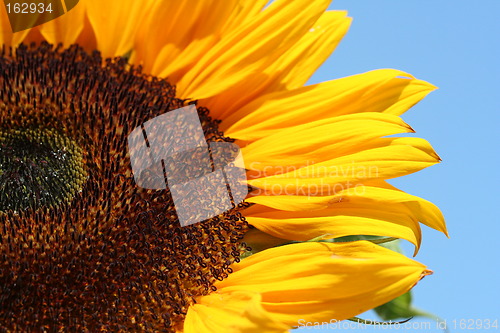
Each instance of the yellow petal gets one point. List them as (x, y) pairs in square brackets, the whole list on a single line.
[(321, 140), (314, 48), (178, 33), (291, 70), (172, 62), (251, 48), (232, 312), (245, 12), (323, 281), (382, 158), (115, 23), (192, 28), (425, 211), (66, 28), (389, 199), (7, 37), (385, 90), (338, 220)]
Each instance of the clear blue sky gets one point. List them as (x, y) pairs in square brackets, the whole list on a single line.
[(456, 46)]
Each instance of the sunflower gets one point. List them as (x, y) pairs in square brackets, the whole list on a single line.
[(83, 248)]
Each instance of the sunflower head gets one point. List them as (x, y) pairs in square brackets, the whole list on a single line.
[(88, 244)]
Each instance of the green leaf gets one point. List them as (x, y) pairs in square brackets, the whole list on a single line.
[(374, 322), (355, 238), (401, 307), (388, 242)]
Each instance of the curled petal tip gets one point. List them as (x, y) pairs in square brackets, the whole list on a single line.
[(425, 273), (409, 127), (422, 275)]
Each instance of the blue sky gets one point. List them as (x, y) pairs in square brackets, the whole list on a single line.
[(454, 45)]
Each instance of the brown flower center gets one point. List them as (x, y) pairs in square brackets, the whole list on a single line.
[(82, 247)]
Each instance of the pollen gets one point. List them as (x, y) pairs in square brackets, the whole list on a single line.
[(82, 247)]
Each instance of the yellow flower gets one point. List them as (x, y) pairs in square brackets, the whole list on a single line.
[(103, 255)]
